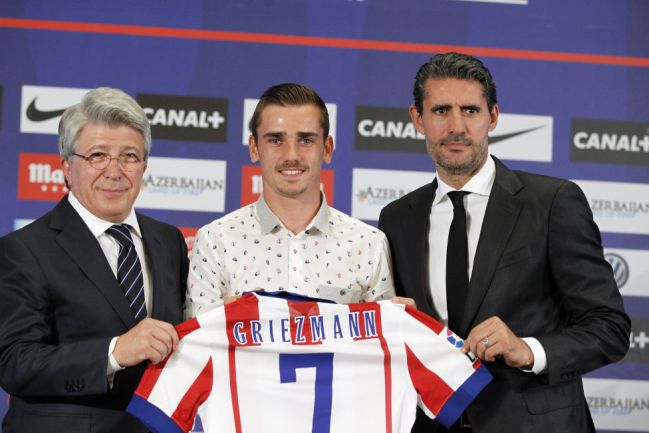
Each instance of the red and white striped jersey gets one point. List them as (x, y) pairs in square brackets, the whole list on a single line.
[(266, 364)]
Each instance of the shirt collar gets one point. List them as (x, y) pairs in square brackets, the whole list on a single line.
[(480, 183), (97, 225), (268, 221)]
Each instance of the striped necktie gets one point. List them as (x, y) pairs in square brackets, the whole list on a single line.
[(129, 270)]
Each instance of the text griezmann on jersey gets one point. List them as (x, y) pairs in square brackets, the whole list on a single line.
[(306, 329)]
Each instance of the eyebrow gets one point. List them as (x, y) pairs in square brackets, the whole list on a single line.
[(448, 106), (307, 134), (471, 106), (440, 107), (104, 146), (300, 134), (274, 134)]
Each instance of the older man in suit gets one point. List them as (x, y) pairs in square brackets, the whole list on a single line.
[(89, 291), (512, 261)]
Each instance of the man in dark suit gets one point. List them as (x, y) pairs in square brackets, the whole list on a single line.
[(522, 278), (89, 291)]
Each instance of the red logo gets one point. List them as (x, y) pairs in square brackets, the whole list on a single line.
[(40, 177), (251, 184), (190, 235)]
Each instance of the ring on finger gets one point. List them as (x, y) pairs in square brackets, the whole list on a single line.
[(485, 342)]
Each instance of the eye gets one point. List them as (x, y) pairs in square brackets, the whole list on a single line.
[(440, 110), (307, 140), (97, 156), (130, 157)]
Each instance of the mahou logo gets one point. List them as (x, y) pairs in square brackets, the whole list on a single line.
[(40, 177), (252, 186)]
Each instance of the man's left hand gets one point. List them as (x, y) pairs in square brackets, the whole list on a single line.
[(493, 338)]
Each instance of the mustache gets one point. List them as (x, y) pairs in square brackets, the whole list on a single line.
[(456, 138), (291, 164)]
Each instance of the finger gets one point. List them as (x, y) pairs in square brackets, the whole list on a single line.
[(473, 340), (484, 346), (162, 337), (157, 351), (469, 344), (166, 332), (492, 351), (404, 301), (230, 299), (480, 349)]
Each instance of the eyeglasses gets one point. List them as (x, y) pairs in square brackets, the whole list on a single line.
[(100, 160)]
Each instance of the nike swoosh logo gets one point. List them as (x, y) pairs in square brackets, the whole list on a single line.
[(36, 115), (493, 139)]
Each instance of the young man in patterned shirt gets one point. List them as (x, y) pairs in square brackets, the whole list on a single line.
[(290, 239)]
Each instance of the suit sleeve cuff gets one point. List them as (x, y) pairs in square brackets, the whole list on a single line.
[(540, 360)]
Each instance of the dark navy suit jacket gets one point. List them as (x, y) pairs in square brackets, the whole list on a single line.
[(60, 305), (539, 267)]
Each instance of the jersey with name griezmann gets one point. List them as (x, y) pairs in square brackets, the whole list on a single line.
[(275, 364)]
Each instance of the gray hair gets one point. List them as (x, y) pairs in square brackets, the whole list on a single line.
[(102, 105)]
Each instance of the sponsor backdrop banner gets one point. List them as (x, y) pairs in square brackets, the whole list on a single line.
[(573, 86)]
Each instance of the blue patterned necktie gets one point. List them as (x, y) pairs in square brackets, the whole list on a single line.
[(129, 270)]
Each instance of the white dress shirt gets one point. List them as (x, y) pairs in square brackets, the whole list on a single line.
[(110, 247), (336, 257), (441, 216)]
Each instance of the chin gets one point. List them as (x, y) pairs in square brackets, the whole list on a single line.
[(293, 192), (115, 214)]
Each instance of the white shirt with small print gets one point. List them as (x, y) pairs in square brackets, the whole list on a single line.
[(336, 257)]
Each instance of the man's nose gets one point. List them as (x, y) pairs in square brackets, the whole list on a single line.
[(456, 123), (292, 149), (113, 169)]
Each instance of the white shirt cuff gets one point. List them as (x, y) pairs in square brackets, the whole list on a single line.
[(540, 360), (113, 366)]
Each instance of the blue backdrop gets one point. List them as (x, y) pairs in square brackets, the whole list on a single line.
[(576, 70)]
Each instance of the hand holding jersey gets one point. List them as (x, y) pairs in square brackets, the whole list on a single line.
[(493, 338)]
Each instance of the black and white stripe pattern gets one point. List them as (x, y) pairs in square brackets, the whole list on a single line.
[(129, 270)]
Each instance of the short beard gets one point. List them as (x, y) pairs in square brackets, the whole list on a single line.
[(463, 168), (466, 167)]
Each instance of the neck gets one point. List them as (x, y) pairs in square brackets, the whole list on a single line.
[(294, 212), (457, 180)]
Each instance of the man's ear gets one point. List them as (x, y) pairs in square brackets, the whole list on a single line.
[(328, 150), (67, 171), (416, 119), (495, 112), (252, 149)]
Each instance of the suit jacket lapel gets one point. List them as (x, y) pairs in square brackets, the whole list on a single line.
[(500, 218), (79, 243), (155, 252), (417, 230)]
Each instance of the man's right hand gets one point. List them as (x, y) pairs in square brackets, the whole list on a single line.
[(149, 340)]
